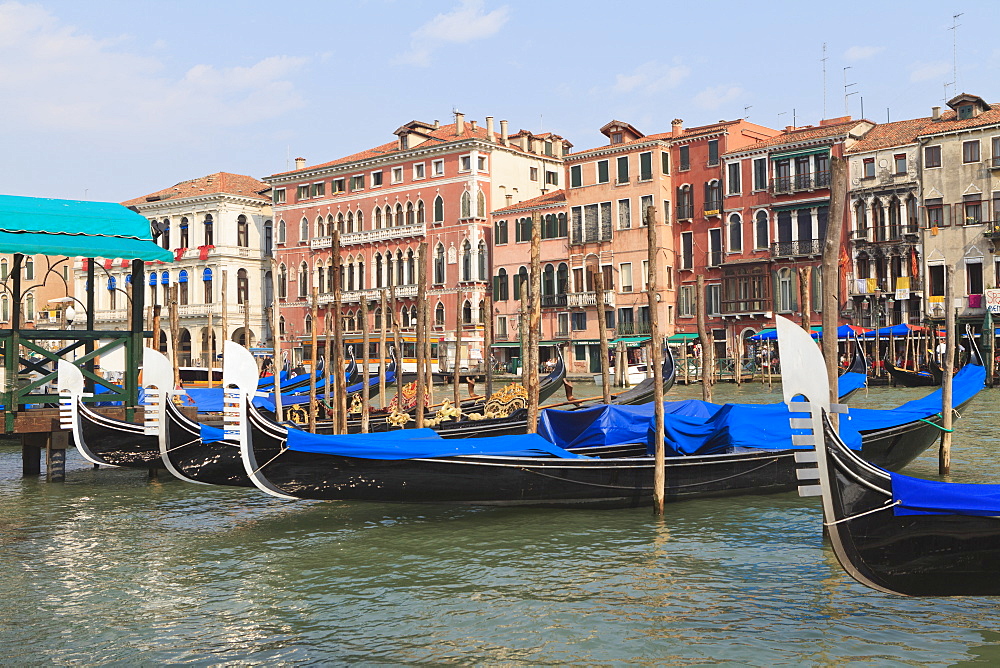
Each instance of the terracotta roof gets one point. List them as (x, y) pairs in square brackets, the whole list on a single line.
[(548, 199), (641, 140), (886, 135), (807, 133), (437, 137), (949, 121), (213, 184)]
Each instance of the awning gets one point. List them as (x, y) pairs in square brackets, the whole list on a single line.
[(803, 205), (682, 336), (629, 340), (800, 154), (32, 225), (507, 344)]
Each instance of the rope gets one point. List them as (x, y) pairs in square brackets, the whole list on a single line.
[(887, 506), (645, 488), (284, 448), (934, 424)]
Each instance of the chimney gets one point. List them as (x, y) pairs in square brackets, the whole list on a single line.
[(504, 139), (472, 125), (936, 113), (489, 128), (437, 124), (300, 163), (677, 127), (459, 123)]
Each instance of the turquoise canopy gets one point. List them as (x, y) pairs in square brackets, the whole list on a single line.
[(33, 225)]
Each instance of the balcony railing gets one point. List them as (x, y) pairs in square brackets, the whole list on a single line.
[(553, 300), (733, 306), (633, 328), (992, 231), (862, 286), (713, 207), (811, 181), (797, 248), (320, 242), (714, 258), (371, 294), (581, 299), (369, 236), (685, 211)]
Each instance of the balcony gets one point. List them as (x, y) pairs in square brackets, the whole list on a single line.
[(370, 236), (371, 294), (713, 208), (745, 306), (802, 248), (320, 242), (992, 231), (582, 299), (633, 328), (862, 287), (685, 211), (995, 163), (554, 301), (799, 182)]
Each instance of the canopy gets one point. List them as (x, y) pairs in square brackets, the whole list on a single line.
[(32, 225), (843, 332), (901, 329), (936, 497)]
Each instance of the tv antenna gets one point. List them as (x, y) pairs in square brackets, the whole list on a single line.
[(954, 47), (847, 94)]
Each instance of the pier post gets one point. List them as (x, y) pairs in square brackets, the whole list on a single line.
[(31, 455), (55, 456)]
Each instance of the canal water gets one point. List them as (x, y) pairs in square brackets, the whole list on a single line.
[(110, 568)]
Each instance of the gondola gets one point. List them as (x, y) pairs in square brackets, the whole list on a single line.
[(643, 392), (427, 468), (907, 378), (890, 532)]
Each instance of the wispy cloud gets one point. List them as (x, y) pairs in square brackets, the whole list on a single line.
[(651, 77), (929, 71), (717, 96), (59, 79), (466, 23), (856, 53)]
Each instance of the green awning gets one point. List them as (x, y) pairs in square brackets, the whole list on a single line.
[(630, 339), (803, 205), (682, 337), (33, 225), (800, 154), (507, 344)]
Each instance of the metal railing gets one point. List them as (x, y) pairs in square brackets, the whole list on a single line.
[(633, 328), (554, 300), (795, 248), (581, 299)]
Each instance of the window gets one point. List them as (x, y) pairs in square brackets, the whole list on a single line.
[(685, 301), (868, 168), (645, 202), (623, 169), (500, 232), (551, 178), (715, 247), (437, 168), (712, 299), (578, 320), (932, 156), (616, 138), (304, 230), (970, 151), (965, 111), (761, 236), (900, 162), (438, 209), (735, 233), (733, 180), (397, 174), (242, 232), (533, 173), (685, 202), (358, 182), (481, 160), (713, 198), (645, 166), (466, 205), (602, 171), (210, 230), (625, 276), (685, 157), (784, 296), (624, 214), (438, 264), (974, 276), (29, 269), (664, 162), (319, 189), (4, 271), (996, 151), (185, 238), (713, 152), (501, 332), (465, 163), (419, 170), (281, 231), (973, 209), (302, 192), (242, 287), (935, 212), (687, 250), (376, 179), (501, 286), (303, 280), (936, 282), (575, 176), (760, 174), (278, 196)]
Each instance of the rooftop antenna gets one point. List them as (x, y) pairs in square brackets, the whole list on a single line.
[(954, 47), (887, 115), (745, 110), (823, 60), (950, 83), (780, 114), (846, 93)]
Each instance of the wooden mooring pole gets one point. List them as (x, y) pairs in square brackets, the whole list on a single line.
[(534, 322), (602, 329), (656, 359), (421, 328), (948, 365), (365, 391), (707, 347)]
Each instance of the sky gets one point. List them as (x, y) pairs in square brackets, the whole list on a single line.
[(108, 100)]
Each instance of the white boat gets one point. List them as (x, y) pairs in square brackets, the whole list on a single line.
[(634, 374)]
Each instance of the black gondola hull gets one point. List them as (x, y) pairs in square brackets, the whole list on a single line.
[(117, 443)]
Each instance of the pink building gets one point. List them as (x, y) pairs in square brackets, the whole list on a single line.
[(434, 183)]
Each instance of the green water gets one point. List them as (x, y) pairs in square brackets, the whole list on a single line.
[(109, 568)]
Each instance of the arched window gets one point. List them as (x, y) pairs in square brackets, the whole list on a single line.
[(548, 281), (209, 229), (735, 233), (303, 280), (404, 317), (359, 222), (242, 287), (182, 287), (482, 312), (481, 205), (562, 279), (784, 293), (29, 268), (350, 221), (281, 325), (861, 218), (439, 264), (438, 209), (184, 233), (309, 324), (243, 232), (500, 232), (400, 221), (482, 261), (400, 268), (413, 315), (4, 270), (112, 293), (282, 282), (500, 287), (438, 314), (388, 216), (378, 218), (411, 272), (281, 231), (521, 283), (420, 212), (320, 276), (410, 214), (466, 205), (467, 312), (206, 278), (378, 271), (466, 261), (713, 196), (29, 307), (340, 223), (378, 318), (268, 238), (4, 308), (350, 273), (165, 235), (304, 230), (165, 278), (320, 227), (761, 236)]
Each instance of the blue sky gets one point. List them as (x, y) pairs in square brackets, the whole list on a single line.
[(113, 99)]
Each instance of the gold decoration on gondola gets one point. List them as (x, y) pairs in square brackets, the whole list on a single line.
[(297, 415), (355, 408), (446, 412), (503, 403), (398, 419)]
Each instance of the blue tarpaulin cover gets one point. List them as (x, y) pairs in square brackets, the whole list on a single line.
[(295, 399), (697, 427), (421, 443), (933, 497), (210, 399), (211, 434)]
